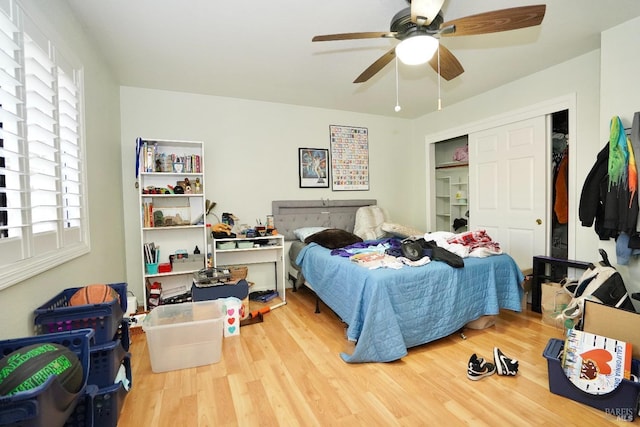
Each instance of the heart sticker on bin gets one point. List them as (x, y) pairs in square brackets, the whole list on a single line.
[(232, 306)]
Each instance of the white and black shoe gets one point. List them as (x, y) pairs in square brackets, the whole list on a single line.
[(504, 365), (478, 368)]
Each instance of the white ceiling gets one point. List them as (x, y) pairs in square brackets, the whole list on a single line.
[(262, 50)]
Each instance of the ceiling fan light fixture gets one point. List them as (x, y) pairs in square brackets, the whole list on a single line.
[(416, 50)]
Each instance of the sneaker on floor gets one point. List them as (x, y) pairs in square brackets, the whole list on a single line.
[(504, 365), (478, 368)]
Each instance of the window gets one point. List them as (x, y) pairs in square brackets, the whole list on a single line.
[(43, 210)]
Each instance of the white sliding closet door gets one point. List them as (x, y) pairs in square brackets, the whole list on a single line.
[(508, 182)]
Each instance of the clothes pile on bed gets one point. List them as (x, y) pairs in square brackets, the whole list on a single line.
[(443, 246)]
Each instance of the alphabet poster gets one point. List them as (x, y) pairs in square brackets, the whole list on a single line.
[(349, 158)]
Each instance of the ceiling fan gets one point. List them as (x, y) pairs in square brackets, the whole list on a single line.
[(420, 26)]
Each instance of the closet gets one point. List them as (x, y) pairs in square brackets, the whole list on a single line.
[(451, 178), (506, 166), (560, 189), (528, 219)]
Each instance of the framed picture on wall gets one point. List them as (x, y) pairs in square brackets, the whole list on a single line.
[(313, 167)]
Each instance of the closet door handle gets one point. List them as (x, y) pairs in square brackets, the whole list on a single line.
[(538, 221)]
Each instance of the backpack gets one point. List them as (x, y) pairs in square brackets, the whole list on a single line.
[(601, 283)]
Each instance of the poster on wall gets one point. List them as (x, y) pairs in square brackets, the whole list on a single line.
[(313, 165), (349, 158)]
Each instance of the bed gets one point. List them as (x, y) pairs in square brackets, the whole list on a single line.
[(389, 311)]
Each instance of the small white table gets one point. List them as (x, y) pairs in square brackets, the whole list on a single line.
[(267, 249)]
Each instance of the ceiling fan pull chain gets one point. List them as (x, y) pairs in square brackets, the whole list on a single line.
[(439, 98), (398, 108)]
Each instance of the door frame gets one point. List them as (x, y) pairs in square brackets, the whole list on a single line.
[(544, 108)]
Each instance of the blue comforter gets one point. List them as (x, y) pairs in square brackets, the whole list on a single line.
[(388, 311)]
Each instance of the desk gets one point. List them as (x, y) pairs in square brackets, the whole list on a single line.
[(540, 264), (266, 249)]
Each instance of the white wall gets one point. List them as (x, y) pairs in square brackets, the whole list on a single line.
[(577, 79), (105, 263), (620, 97), (251, 154)]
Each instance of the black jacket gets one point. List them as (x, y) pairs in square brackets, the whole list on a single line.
[(607, 206)]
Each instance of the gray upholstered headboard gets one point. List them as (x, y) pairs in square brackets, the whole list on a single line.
[(289, 215)]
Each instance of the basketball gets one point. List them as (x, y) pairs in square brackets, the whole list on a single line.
[(93, 294), (31, 366)]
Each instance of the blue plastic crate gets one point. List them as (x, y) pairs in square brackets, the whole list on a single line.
[(101, 407), (50, 404), (622, 402), (107, 358), (56, 315), (123, 333)]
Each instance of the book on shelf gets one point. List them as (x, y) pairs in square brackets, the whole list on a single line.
[(147, 214), (594, 363), (154, 161)]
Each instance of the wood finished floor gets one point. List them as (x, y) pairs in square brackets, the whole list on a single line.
[(287, 371)]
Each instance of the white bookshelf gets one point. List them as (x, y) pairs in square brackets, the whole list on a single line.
[(181, 226)]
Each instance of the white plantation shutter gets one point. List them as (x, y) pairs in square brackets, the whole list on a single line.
[(42, 201), (70, 154), (12, 166), (44, 183)]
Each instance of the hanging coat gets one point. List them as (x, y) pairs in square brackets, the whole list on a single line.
[(611, 208)]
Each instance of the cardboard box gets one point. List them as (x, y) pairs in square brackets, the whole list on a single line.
[(613, 322)]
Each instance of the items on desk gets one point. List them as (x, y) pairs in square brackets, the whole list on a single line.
[(211, 277), (222, 230)]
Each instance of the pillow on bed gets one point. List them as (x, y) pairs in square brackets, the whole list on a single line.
[(368, 222), (401, 231), (304, 232), (333, 238)]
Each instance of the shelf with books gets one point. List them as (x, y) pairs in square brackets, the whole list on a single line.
[(172, 205)]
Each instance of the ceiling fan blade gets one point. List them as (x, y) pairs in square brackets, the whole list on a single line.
[(353, 36), (496, 21), (424, 11), (450, 67), (376, 66)]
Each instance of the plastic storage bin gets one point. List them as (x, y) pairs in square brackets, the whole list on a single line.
[(107, 358), (56, 315), (193, 263), (621, 403), (184, 335), (50, 404), (101, 407)]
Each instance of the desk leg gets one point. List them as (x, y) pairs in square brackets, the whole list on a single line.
[(536, 286)]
